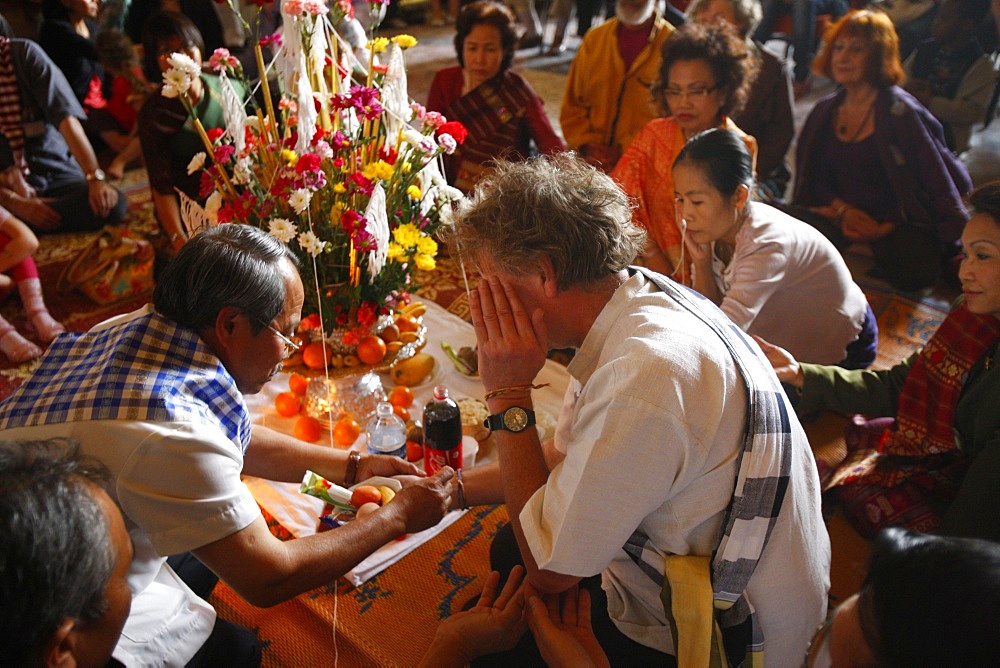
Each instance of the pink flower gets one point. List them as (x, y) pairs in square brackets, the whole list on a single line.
[(292, 7), (268, 40), (224, 153), (433, 120), (448, 143), (419, 110), (364, 101), (221, 60), (315, 7)]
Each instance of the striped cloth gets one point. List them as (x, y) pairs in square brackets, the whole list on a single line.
[(762, 478), (145, 369), (10, 106)]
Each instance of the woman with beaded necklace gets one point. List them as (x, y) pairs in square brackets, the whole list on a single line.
[(872, 163)]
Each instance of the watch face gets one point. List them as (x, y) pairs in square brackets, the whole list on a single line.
[(515, 419)]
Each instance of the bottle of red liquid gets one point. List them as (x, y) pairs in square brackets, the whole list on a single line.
[(442, 432)]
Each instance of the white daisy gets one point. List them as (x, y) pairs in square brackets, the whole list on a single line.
[(299, 200), (184, 63), (284, 230), (310, 243)]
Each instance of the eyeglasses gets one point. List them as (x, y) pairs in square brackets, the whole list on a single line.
[(691, 93), (290, 346)]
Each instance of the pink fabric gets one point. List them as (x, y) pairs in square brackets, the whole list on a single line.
[(24, 269)]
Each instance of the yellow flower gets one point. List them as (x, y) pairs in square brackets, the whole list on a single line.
[(288, 157), (407, 235), (414, 192), (378, 170), (405, 41), (424, 262), (427, 246), (340, 188), (405, 168), (378, 44), (396, 253)]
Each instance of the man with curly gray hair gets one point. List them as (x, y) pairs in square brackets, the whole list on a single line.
[(676, 465)]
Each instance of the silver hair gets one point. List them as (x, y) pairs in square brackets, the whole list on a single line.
[(554, 207)]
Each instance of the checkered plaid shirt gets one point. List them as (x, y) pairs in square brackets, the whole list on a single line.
[(146, 369)]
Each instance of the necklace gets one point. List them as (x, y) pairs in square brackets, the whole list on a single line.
[(842, 128)]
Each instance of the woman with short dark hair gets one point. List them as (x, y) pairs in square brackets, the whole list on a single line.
[(498, 107)]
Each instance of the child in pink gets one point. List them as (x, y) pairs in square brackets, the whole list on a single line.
[(17, 244)]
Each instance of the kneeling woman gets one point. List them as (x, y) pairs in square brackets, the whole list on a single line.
[(774, 276), (928, 459), (499, 108)]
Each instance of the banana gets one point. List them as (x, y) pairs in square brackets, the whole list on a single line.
[(388, 494), (415, 310)]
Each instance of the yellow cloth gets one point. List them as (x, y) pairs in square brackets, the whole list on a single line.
[(688, 586), (595, 95)]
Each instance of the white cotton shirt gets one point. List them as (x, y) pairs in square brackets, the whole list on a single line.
[(787, 284), (178, 485), (651, 427)]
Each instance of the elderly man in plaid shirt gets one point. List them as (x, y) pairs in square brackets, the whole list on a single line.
[(157, 396)]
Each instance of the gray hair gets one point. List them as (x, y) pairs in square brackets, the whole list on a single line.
[(556, 207), (748, 13), (227, 265), (55, 544)]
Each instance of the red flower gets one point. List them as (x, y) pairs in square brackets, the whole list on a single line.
[(311, 321), (308, 162), (455, 129), (214, 133)]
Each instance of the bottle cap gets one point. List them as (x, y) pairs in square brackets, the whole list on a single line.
[(440, 392)]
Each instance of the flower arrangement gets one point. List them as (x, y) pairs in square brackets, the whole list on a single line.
[(339, 165)]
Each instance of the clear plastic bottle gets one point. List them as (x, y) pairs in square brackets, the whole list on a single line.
[(386, 432), (442, 432)]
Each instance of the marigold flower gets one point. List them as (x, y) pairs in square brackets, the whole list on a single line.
[(405, 41)]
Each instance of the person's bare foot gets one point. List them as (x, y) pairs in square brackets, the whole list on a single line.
[(17, 348), (42, 324)]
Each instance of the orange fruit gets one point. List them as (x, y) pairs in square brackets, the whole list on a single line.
[(365, 494), (402, 412), (406, 324), (317, 355), (287, 404), (308, 429), (401, 396), (298, 383), (371, 350), (414, 451), (346, 431)]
